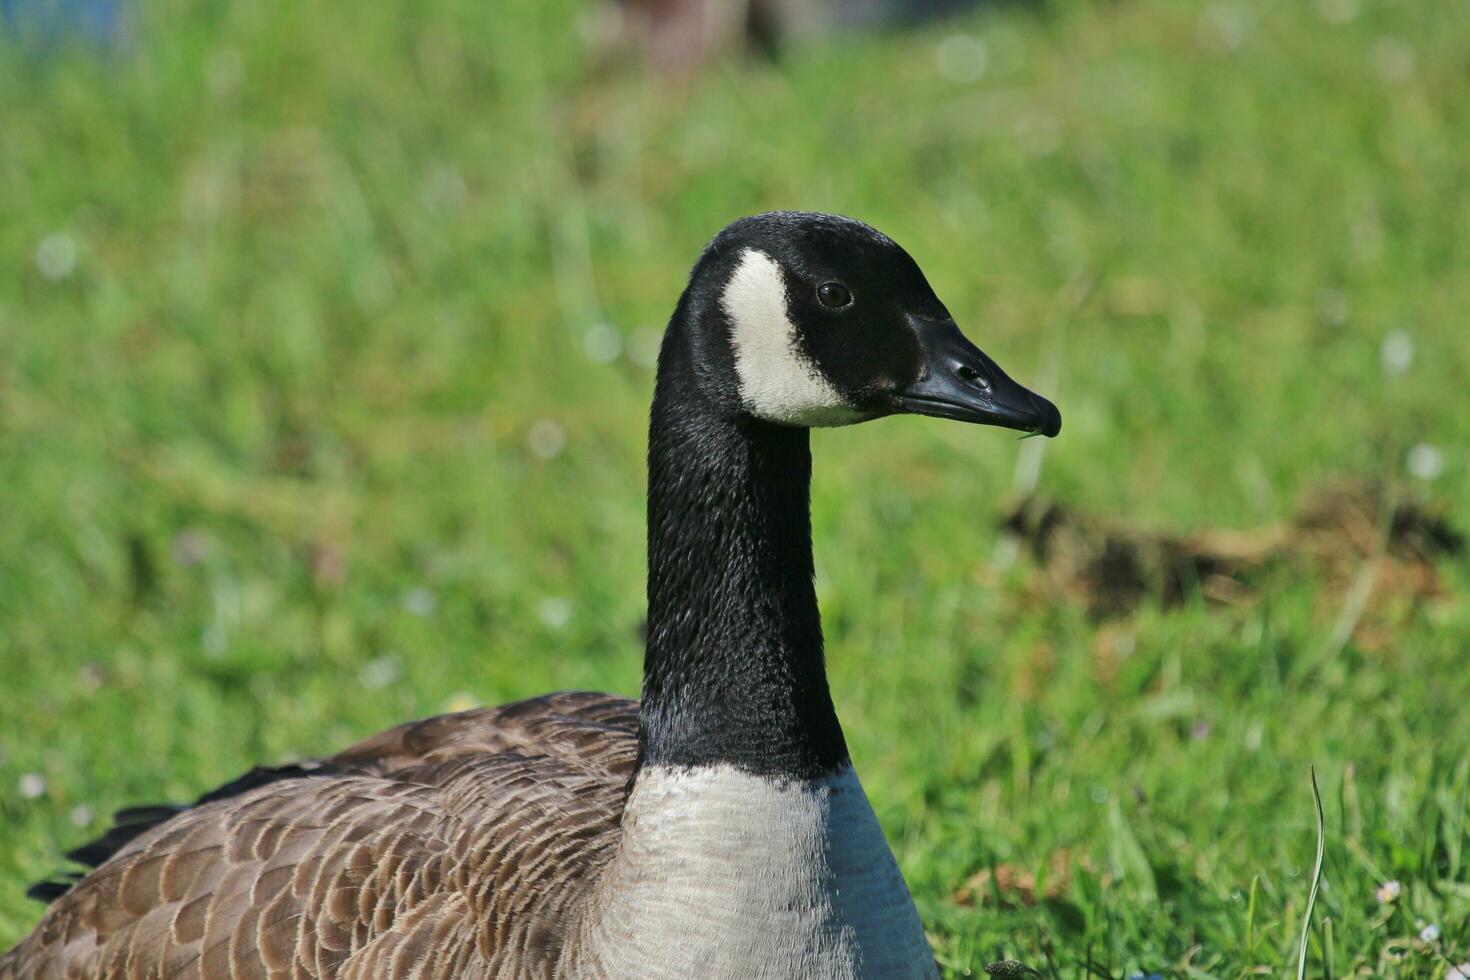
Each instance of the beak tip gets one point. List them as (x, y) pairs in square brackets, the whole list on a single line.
[(1051, 419)]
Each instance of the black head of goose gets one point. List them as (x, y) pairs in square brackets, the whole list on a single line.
[(716, 829)]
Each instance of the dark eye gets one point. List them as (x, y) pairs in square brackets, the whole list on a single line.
[(834, 295)]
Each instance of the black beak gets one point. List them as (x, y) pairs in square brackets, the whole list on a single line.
[(959, 382)]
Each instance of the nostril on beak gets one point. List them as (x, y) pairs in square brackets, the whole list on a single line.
[(972, 376), (969, 375)]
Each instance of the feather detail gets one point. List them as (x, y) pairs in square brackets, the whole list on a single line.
[(454, 846)]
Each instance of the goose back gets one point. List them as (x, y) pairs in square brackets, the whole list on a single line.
[(453, 846)]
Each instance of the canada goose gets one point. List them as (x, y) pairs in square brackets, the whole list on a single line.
[(714, 829)]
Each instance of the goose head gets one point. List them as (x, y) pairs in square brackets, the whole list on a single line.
[(817, 320)]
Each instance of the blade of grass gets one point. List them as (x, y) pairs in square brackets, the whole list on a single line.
[(1301, 959), (1250, 919)]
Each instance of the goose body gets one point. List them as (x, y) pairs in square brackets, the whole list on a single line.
[(716, 828)]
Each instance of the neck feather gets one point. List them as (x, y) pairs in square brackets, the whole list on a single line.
[(734, 670)]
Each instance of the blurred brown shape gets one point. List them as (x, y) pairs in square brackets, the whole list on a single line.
[(1113, 568), (328, 564), (1016, 886), (677, 36)]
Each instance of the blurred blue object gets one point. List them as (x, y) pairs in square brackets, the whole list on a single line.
[(96, 21)]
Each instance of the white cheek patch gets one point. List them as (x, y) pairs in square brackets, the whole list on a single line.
[(777, 382)]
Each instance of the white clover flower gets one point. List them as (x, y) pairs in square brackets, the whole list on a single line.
[(962, 58), (420, 602), (1429, 933), (1425, 462), (1389, 891), (1396, 353), (56, 256), (380, 673), (546, 439), (602, 343), (554, 611)]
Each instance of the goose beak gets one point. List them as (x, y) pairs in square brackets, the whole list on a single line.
[(959, 382)]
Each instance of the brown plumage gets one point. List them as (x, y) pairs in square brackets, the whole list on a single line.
[(440, 848)]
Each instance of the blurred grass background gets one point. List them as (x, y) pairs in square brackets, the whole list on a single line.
[(325, 350)]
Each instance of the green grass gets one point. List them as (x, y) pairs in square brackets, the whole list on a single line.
[(265, 447)]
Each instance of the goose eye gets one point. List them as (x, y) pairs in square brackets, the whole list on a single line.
[(834, 295)]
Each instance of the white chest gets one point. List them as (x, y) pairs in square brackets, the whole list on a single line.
[(725, 874)]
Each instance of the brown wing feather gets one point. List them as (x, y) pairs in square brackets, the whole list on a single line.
[(458, 846)]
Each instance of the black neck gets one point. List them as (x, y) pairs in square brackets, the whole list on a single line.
[(734, 670)]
